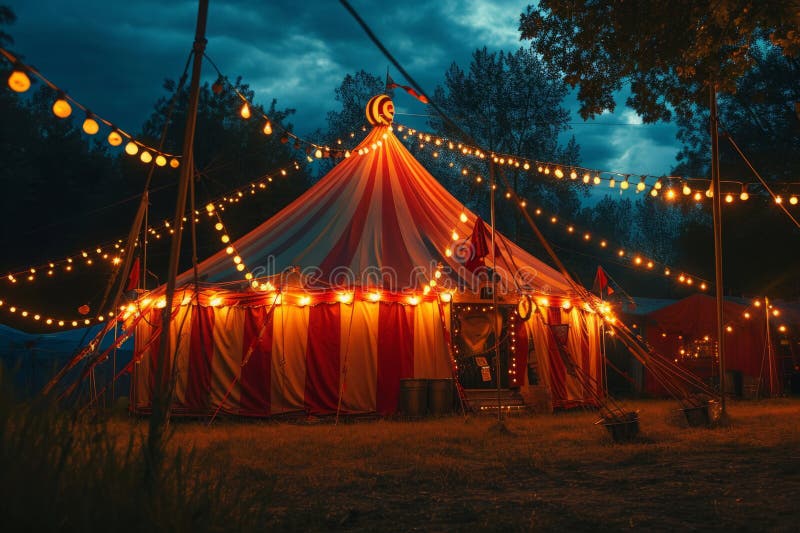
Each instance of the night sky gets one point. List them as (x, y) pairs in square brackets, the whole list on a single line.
[(113, 57)]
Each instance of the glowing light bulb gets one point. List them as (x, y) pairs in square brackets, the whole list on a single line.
[(114, 138), (146, 156), (218, 226), (267, 128), (161, 160), (612, 183), (229, 250), (558, 173), (374, 296), (61, 107), (90, 125), (446, 296), (245, 111), (240, 267), (793, 200), (413, 300), (624, 185), (463, 218), (596, 179), (670, 194), (345, 297), (686, 189), (225, 239), (237, 259), (698, 196), (318, 153), (131, 148), (304, 301), (454, 235), (174, 163), (728, 198), (19, 81)]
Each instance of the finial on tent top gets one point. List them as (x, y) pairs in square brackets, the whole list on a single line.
[(380, 110)]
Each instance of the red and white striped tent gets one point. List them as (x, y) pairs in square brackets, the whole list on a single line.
[(348, 290)]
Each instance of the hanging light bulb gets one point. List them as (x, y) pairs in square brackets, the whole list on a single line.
[(698, 196), (728, 198), (161, 160), (267, 128), (61, 107), (559, 173), (131, 148), (670, 194), (779, 199), (463, 218), (710, 193), (90, 125), (19, 80), (624, 184), (744, 196), (793, 200), (114, 138), (245, 111), (686, 189), (318, 153), (146, 156), (596, 179), (612, 183), (174, 163), (641, 185), (658, 185)]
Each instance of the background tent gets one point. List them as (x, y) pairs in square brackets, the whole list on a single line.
[(686, 332), (349, 290), (33, 359)]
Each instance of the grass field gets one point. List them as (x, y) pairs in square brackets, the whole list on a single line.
[(553, 472), (549, 473)]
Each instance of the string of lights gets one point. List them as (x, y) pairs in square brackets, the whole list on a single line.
[(20, 82), (669, 187)]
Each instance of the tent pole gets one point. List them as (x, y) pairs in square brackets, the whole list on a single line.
[(716, 205), (162, 397), (496, 312), (770, 354)]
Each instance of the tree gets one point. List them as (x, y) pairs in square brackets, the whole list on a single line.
[(669, 52), (346, 126), (509, 102), (759, 116)]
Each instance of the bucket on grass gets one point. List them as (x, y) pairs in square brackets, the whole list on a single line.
[(440, 396), (622, 428), (703, 415), (413, 397)]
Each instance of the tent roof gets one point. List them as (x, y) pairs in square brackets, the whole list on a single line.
[(378, 213)]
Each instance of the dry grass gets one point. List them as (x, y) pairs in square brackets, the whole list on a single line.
[(554, 472)]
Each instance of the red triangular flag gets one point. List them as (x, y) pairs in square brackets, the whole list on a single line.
[(390, 84), (133, 277), (601, 283), (479, 245)]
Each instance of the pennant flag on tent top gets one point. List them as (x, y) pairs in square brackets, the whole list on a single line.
[(133, 277), (390, 84), (479, 245), (602, 284)]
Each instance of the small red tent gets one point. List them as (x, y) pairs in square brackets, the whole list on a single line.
[(686, 332)]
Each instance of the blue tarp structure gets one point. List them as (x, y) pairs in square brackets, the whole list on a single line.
[(32, 359)]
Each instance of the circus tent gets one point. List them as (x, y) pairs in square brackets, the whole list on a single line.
[(374, 275)]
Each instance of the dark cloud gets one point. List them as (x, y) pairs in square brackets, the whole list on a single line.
[(113, 56)]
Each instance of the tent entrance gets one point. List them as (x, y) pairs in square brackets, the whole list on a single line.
[(479, 334)]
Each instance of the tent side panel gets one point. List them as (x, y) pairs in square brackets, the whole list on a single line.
[(257, 346), (359, 362), (198, 387), (395, 353), (227, 360), (323, 359), (180, 346), (431, 360), (288, 369)]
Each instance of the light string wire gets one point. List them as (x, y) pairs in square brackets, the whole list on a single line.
[(19, 65)]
